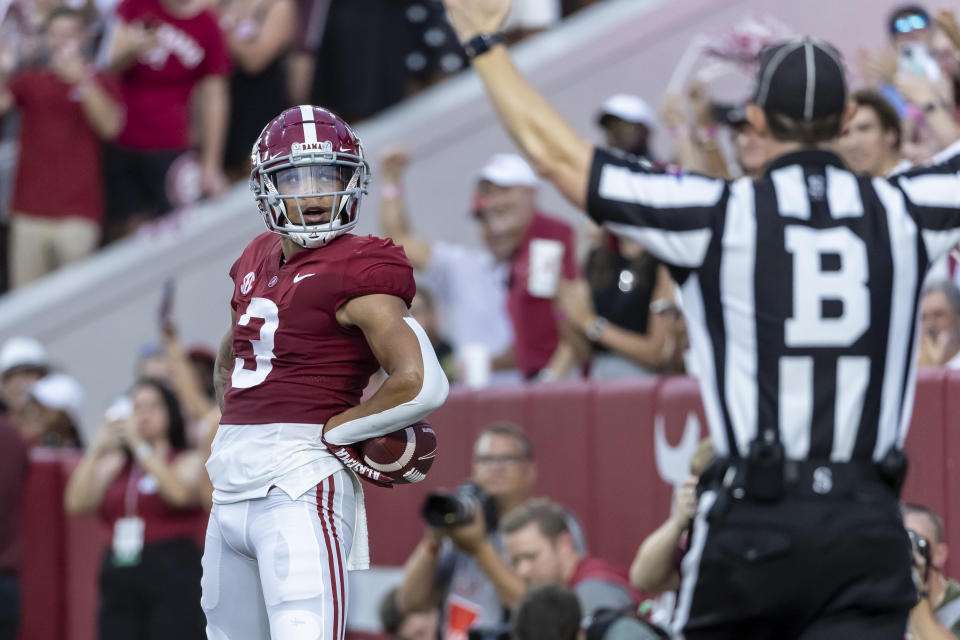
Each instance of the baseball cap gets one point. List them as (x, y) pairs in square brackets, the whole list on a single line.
[(59, 391), (20, 351), (508, 170), (629, 108), (802, 79)]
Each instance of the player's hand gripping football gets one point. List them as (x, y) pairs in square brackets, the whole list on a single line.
[(473, 17), (349, 455)]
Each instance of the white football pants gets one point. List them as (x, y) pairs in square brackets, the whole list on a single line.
[(275, 568)]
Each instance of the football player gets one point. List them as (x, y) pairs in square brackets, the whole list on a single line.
[(316, 311)]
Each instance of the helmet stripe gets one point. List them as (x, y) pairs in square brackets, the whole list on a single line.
[(309, 126)]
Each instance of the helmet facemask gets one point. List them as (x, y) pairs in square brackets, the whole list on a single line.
[(312, 195)]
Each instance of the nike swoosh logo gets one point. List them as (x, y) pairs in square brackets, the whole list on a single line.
[(298, 277)]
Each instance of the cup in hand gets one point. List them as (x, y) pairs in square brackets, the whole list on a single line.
[(477, 365), (546, 257)]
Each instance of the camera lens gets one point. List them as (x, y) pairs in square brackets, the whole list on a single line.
[(442, 509)]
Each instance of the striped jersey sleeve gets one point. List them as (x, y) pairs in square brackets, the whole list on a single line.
[(932, 194), (674, 215)]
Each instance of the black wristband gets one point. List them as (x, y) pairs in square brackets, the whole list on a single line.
[(480, 44)]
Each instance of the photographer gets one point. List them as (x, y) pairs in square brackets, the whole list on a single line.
[(937, 614), (463, 567), (542, 551)]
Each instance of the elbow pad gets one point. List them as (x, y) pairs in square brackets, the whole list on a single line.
[(433, 391)]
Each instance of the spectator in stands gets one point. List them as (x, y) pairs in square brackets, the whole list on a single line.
[(58, 195), (870, 143), (548, 612), (542, 551), (628, 123), (485, 295), (940, 325), (937, 615), (259, 34), (23, 361), (656, 567), (13, 476), (359, 61), (415, 625), (611, 307), (451, 567), (434, 52), (625, 308), (301, 61), (143, 482), (52, 414), (169, 54), (424, 311)]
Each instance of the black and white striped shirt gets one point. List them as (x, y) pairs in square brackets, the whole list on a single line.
[(800, 290)]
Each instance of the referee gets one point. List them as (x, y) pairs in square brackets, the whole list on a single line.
[(800, 290)]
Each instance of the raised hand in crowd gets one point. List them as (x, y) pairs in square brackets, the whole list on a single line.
[(933, 99), (946, 20), (131, 41), (393, 165), (110, 437), (69, 65), (685, 501), (877, 67), (937, 349)]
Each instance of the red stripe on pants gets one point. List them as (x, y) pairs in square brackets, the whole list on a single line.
[(330, 547), (340, 560)]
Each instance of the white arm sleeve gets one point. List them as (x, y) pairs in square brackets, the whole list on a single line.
[(433, 391)]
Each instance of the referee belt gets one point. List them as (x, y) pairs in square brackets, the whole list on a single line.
[(810, 477)]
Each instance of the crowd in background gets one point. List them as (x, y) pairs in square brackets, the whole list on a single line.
[(149, 92), (162, 100)]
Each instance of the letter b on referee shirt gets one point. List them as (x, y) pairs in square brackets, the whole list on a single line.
[(818, 280)]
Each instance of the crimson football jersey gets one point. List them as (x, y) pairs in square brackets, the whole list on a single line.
[(295, 362)]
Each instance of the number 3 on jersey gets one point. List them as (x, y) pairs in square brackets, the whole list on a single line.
[(263, 355)]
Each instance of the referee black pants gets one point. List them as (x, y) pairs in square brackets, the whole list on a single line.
[(805, 566)]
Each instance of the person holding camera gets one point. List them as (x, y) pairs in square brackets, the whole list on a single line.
[(937, 613), (462, 566), (143, 482), (542, 551)]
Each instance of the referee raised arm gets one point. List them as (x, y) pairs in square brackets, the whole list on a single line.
[(800, 290)]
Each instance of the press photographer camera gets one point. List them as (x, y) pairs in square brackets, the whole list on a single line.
[(921, 547), (460, 565), (454, 508), (936, 615)]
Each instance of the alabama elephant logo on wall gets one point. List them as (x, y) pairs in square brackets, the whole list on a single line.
[(673, 462)]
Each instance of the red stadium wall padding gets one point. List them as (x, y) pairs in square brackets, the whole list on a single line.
[(625, 476), (43, 566), (610, 452), (951, 470), (559, 421), (85, 540), (926, 443)]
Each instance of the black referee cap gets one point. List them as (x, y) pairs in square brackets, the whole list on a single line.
[(802, 79)]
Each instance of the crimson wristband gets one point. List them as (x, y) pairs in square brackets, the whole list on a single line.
[(481, 43)]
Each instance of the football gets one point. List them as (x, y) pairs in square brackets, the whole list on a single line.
[(405, 455)]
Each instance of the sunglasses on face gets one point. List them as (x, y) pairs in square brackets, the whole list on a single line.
[(910, 22)]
